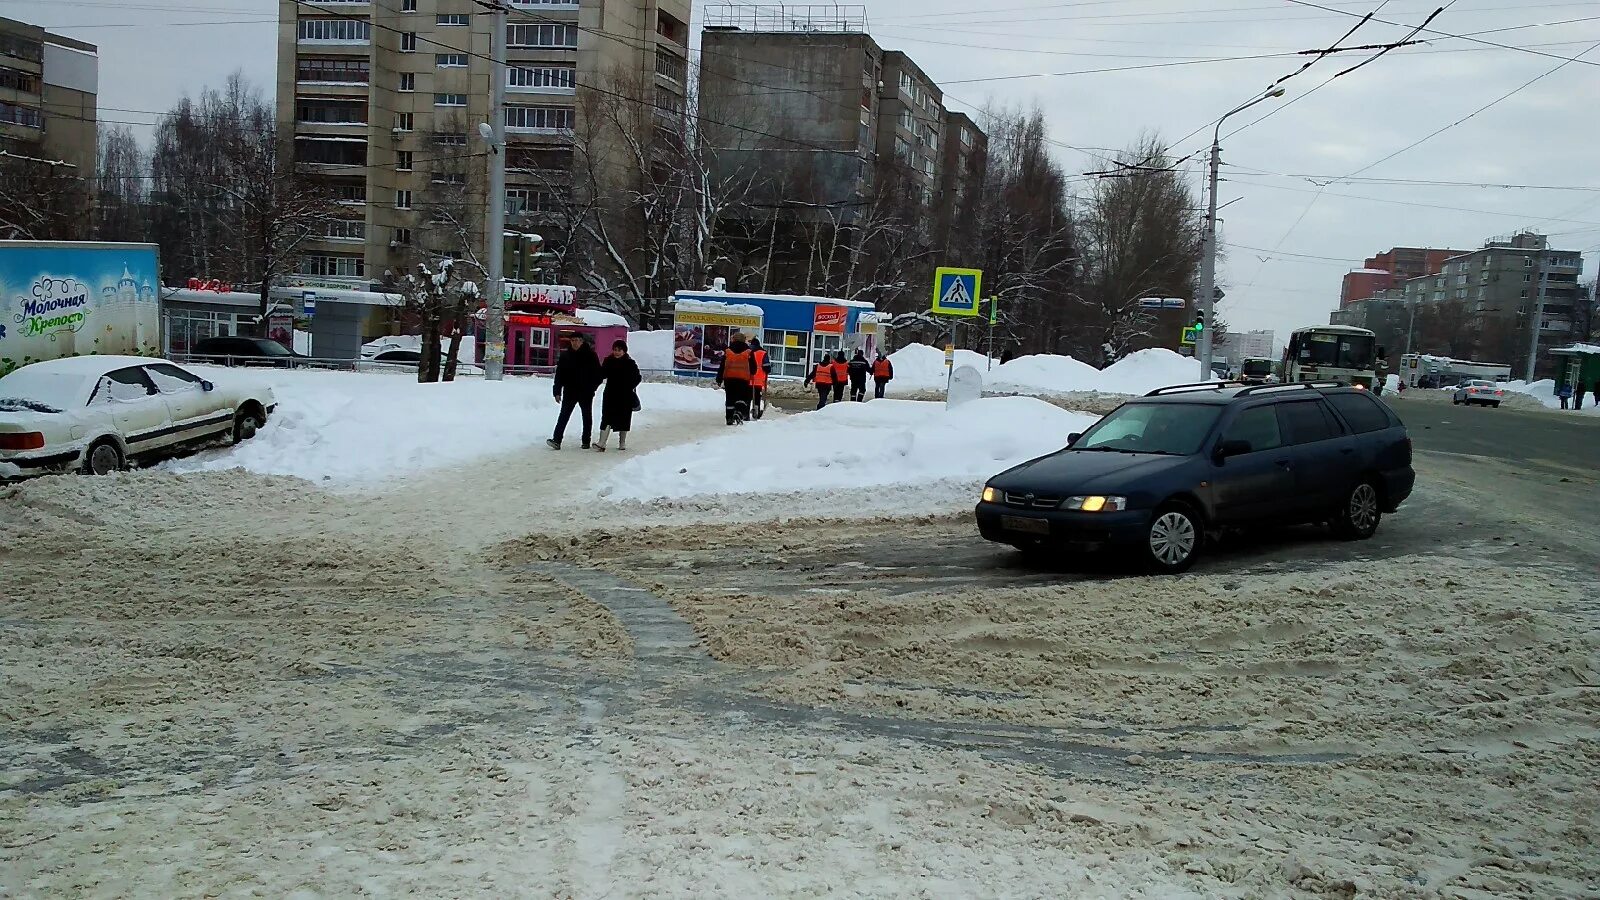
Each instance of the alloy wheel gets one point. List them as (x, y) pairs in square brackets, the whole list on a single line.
[(1172, 538), (1364, 508)]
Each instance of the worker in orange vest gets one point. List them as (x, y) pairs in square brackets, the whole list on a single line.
[(841, 375), (758, 384), (822, 376), (882, 374), (734, 376)]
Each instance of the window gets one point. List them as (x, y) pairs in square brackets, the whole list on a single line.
[(668, 102), (408, 42), (402, 236), (19, 47), (169, 379), (554, 160), (1257, 425), (1523, 294), (449, 99), (123, 386), (902, 149), (450, 60), (331, 153), (448, 178), (1306, 423), (967, 140), (448, 139), (562, 36), (21, 115), (787, 352), (451, 19), (402, 160), (543, 118), (408, 5), (670, 65), (1527, 262), (907, 86), (335, 31), (1527, 276), (672, 29), (908, 121), (26, 82), (520, 201), (404, 121), (402, 199), (408, 82), (557, 78), (345, 230), (1176, 428), (331, 266), (1363, 413), (349, 193), (333, 71), (331, 112)]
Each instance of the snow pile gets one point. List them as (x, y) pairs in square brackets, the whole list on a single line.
[(852, 446), (413, 342), (651, 349), (918, 367), (346, 427), (599, 318)]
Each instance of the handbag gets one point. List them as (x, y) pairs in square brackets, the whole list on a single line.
[(636, 406)]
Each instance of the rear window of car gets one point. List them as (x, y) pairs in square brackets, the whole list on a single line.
[(1306, 422), (1363, 413)]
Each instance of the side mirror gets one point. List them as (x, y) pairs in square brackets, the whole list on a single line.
[(1226, 449), (1073, 438), (207, 386)]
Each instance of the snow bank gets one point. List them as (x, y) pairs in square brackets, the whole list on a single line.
[(651, 349), (599, 318), (919, 367), (413, 342), (347, 427), (852, 446)]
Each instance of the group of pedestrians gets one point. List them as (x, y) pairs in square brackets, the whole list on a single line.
[(832, 373), (579, 374), (742, 376), (1572, 396)]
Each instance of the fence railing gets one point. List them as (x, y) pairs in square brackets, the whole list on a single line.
[(463, 370)]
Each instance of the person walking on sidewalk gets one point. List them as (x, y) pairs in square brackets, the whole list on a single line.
[(577, 378), (1597, 392), (735, 375), (822, 376), (882, 374), (621, 375), (859, 369), (758, 384), (841, 375), (1565, 393), (1577, 394)]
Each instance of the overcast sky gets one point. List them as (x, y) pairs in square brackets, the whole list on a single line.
[(1287, 239)]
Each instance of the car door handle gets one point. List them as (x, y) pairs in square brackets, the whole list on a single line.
[(1284, 463), (1347, 450)]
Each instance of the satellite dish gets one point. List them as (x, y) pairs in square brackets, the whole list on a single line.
[(486, 131)]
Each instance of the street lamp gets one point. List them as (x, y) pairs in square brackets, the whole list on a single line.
[(1208, 252)]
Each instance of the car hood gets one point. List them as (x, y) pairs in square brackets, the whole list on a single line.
[(1086, 471)]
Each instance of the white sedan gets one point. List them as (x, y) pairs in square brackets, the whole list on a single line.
[(1477, 390), (98, 414)]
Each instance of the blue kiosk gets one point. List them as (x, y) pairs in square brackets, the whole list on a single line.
[(793, 329)]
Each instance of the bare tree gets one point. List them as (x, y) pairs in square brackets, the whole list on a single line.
[(42, 199), (122, 193), (1446, 328)]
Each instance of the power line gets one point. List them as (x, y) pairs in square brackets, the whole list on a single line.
[(1464, 37), (1485, 212)]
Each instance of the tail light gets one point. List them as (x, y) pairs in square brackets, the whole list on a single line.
[(21, 440)]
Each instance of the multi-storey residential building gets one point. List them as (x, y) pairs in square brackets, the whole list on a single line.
[(382, 99), (1391, 269), (1238, 346), (1499, 287), (965, 159), (48, 86)]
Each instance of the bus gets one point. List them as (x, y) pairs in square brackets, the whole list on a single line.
[(1332, 353), (1255, 370)]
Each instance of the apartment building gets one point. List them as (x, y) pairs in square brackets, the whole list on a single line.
[(1500, 285), (382, 99), (1390, 270), (48, 88), (966, 155)]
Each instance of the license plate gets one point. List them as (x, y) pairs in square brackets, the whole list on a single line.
[(1025, 524)]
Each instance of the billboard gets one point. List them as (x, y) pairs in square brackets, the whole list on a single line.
[(75, 299), (701, 333)]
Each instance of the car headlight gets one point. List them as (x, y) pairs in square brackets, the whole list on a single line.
[(1096, 503), (990, 495)]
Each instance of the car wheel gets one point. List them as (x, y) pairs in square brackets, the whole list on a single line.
[(1172, 539), (1360, 514), (103, 457), (245, 426)]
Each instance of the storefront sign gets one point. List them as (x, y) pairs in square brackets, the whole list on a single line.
[(700, 336), (830, 319), (555, 296), (731, 320), (209, 284)]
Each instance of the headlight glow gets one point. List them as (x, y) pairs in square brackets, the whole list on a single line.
[(1096, 503), (990, 495)]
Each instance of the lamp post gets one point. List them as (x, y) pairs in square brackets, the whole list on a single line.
[(494, 133), (1208, 251)]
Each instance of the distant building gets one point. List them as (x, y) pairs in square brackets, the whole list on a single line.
[(1239, 346), (1391, 269), (48, 88), (1385, 315)]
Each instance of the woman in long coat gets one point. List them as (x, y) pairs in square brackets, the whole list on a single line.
[(621, 375)]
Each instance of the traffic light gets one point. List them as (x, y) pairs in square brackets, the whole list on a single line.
[(1199, 323)]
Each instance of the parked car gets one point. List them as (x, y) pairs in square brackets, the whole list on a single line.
[(243, 351), (1164, 472), (1476, 390), (98, 414)]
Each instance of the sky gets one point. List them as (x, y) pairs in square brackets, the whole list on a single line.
[(1523, 158)]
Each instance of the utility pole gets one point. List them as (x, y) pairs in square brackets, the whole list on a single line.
[(494, 132), (1537, 320), (1207, 300)]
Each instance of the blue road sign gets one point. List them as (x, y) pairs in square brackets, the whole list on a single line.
[(309, 300), (956, 291)]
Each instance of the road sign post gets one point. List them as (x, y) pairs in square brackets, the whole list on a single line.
[(956, 291)]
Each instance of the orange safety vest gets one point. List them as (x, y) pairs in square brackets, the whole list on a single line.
[(736, 365), (823, 374), (759, 379), (882, 369), (841, 372)]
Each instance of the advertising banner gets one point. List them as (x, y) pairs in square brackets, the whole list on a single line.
[(700, 335), (830, 319), (72, 299)]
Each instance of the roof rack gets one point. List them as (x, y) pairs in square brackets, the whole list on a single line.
[(1197, 386), (1292, 386)]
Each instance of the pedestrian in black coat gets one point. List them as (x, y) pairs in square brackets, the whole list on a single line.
[(621, 375), (577, 378), (859, 368)]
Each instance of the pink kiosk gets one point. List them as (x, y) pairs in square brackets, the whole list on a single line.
[(536, 317)]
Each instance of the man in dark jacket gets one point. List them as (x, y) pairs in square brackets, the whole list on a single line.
[(858, 369), (577, 378), (734, 376)]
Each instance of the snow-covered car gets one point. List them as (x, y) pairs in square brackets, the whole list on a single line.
[(1478, 390), (98, 414)]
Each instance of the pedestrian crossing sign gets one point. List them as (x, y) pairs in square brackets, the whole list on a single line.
[(956, 291)]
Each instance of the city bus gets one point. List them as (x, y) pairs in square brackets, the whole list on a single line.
[(1255, 370), (1332, 353)]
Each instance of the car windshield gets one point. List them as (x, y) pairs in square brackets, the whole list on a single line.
[(1339, 351), (1170, 428), (39, 391), (1257, 367), (270, 348)]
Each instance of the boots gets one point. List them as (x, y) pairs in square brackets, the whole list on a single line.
[(600, 445), (622, 440)]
